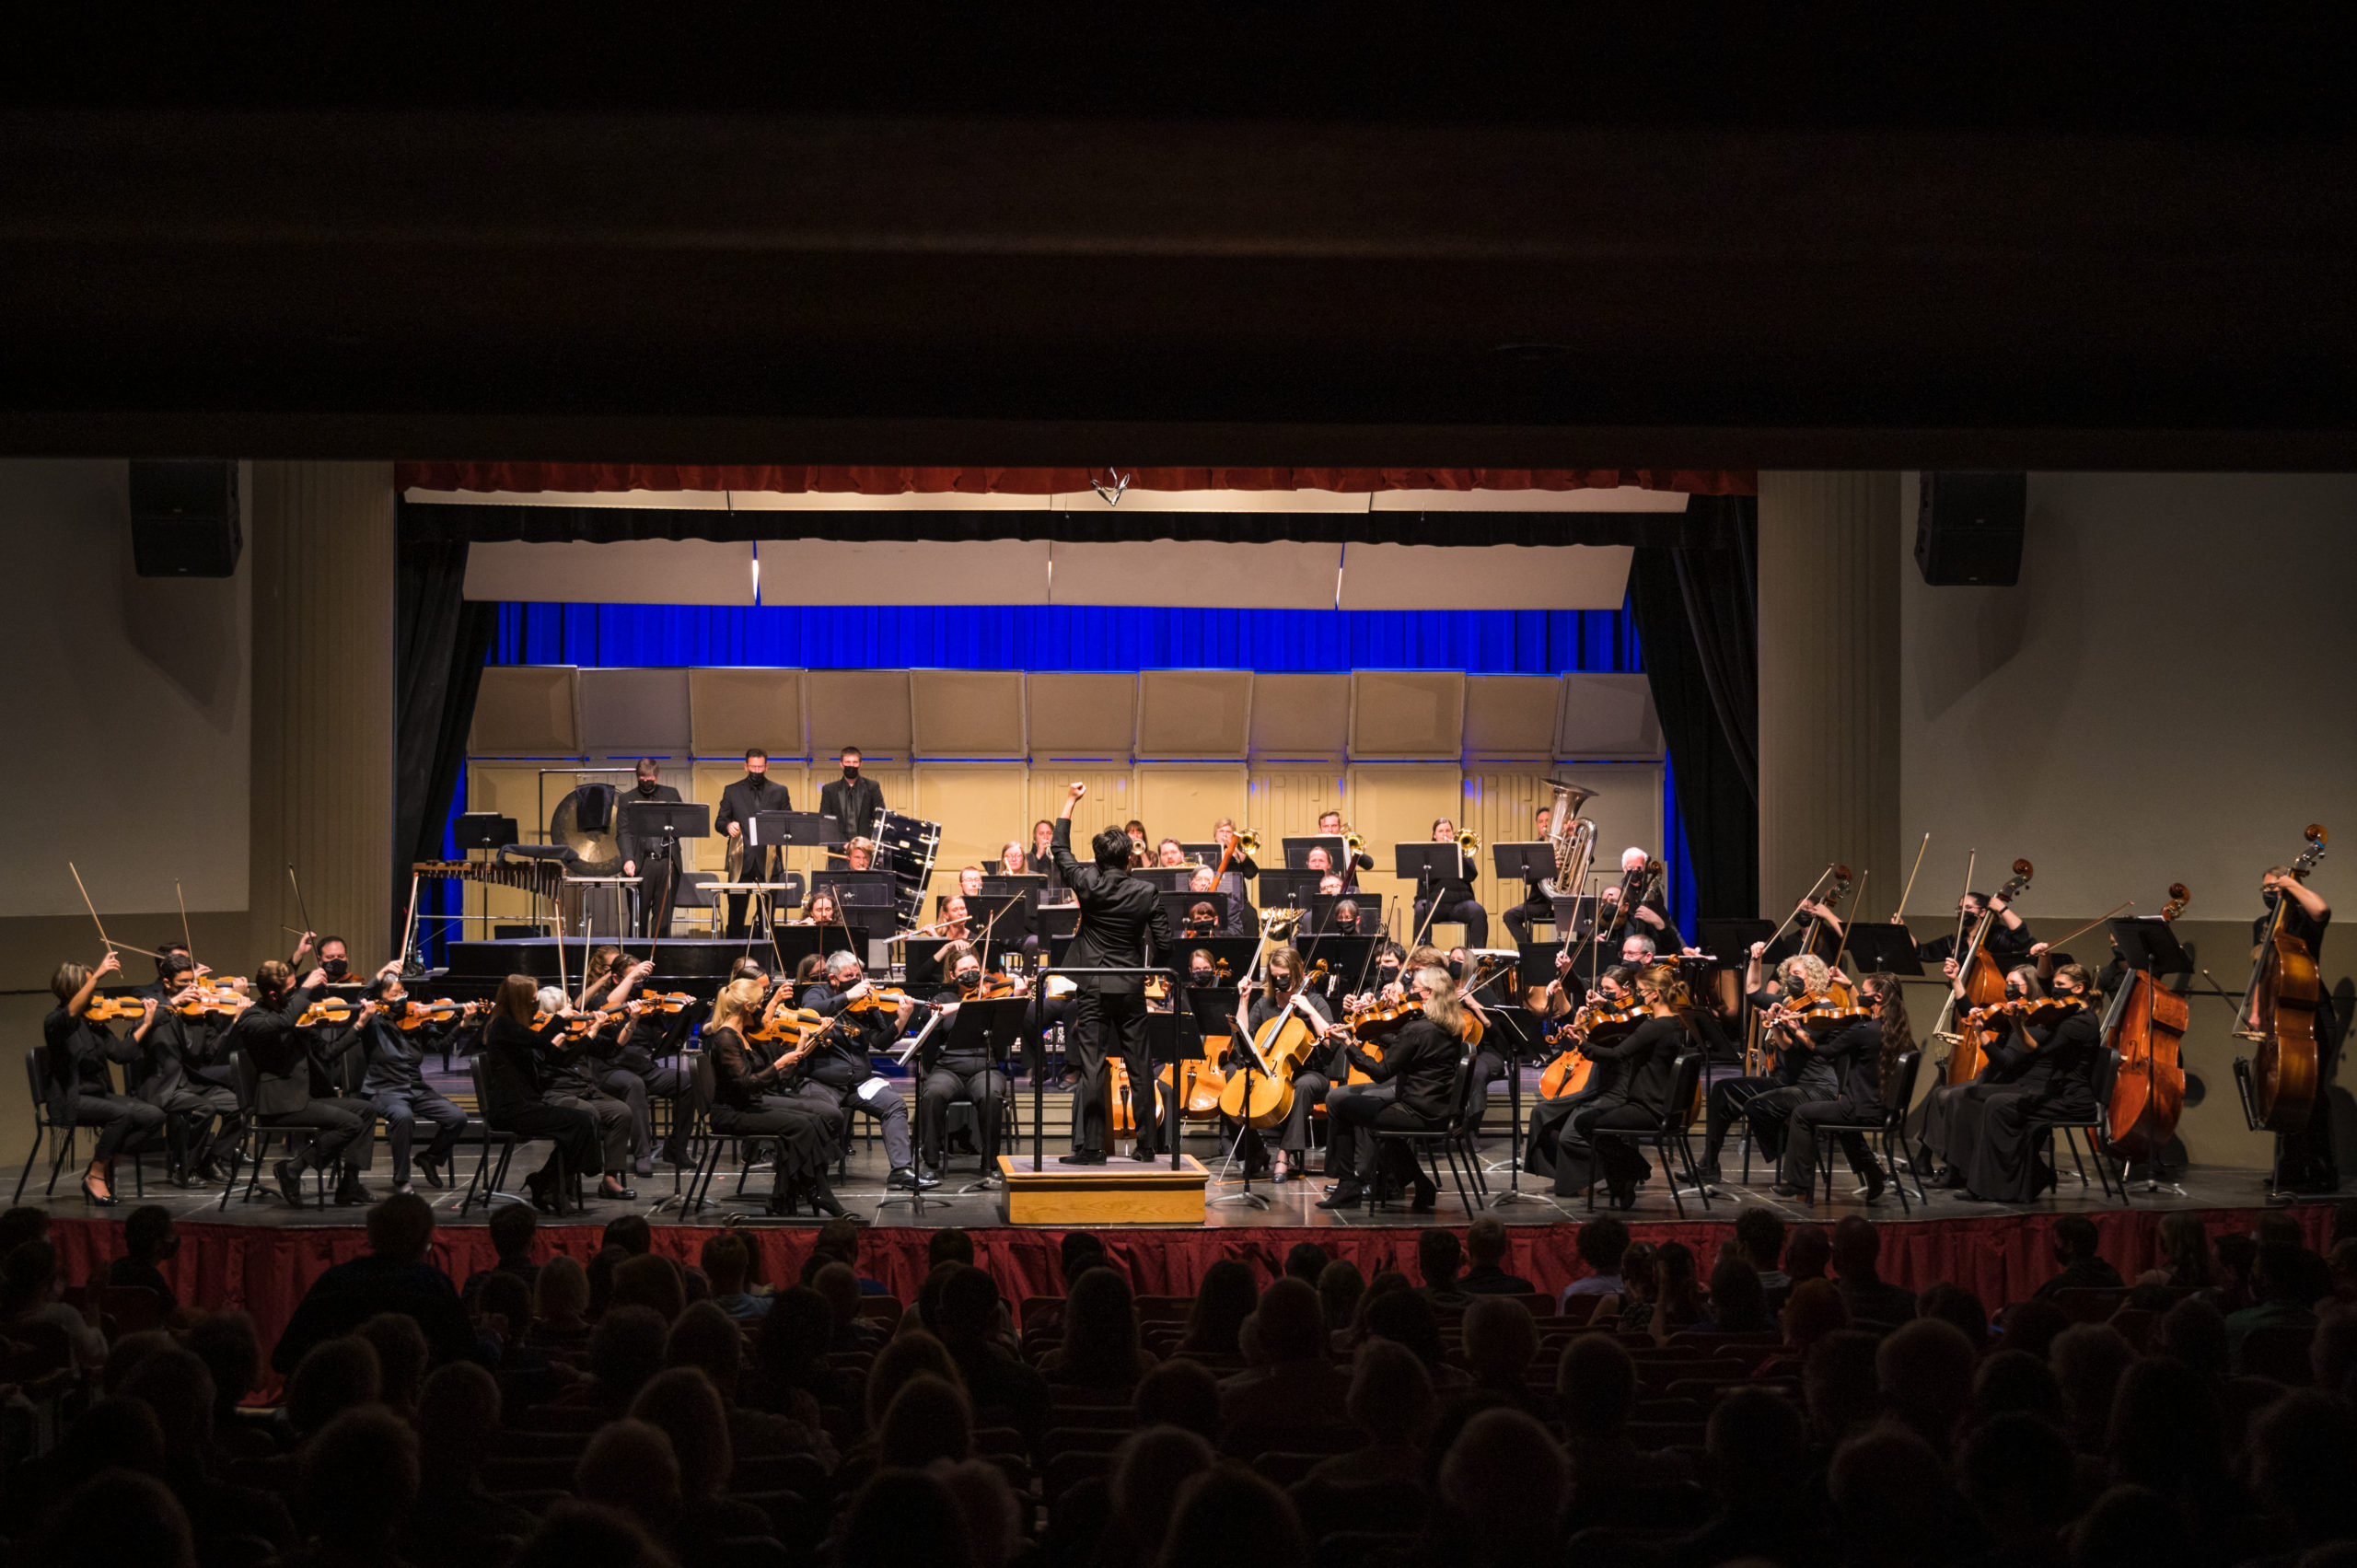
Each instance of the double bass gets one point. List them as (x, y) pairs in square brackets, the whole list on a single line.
[(2278, 1014), (1982, 981), (2145, 1025)]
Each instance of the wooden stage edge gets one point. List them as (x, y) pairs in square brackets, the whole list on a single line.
[(1120, 1192)]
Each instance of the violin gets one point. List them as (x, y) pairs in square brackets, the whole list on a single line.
[(879, 999), (1981, 982), (328, 1010), (2147, 1022), (2280, 1014), (214, 1001), (416, 1014), (102, 1008), (2030, 1012)]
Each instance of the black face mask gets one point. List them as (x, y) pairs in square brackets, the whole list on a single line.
[(646, 787), (1457, 968), (2015, 993), (1386, 974), (969, 980), (851, 773), (336, 969), (1202, 979)]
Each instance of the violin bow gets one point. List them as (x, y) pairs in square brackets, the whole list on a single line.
[(1900, 914), (1844, 946), (2090, 925), (87, 905), (187, 940), (1814, 888), (304, 908)]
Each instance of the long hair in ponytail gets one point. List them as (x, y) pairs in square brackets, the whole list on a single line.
[(1897, 1031)]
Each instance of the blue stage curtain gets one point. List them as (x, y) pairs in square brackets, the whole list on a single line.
[(1479, 641)]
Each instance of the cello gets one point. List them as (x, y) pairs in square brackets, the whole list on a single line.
[(1982, 984), (2279, 1013), (2145, 1025)]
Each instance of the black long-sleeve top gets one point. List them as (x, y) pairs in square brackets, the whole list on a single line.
[(1448, 889), (2007, 945), (1262, 1008), (850, 1042), (396, 1056), (2054, 1062), (739, 1079), (78, 1053), (513, 1076), (1422, 1058), (1647, 1057), (1856, 1051)]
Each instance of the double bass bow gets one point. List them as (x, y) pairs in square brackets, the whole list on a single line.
[(2145, 1025), (2278, 1014)]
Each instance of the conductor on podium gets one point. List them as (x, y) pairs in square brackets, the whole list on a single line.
[(1118, 915)]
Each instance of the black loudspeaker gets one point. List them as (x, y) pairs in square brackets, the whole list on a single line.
[(1969, 529), (184, 519)]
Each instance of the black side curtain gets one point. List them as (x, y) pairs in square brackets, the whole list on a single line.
[(1698, 618), (444, 641)]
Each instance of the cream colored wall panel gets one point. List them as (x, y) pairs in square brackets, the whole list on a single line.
[(637, 571), (1284, 575), (867, 708), (1394, 803), (1180, 800), (1512, 715), (1487, 576), (839, 571), (1194, 713), (1081, 715), (978, 804), (1610, 717), (730, 709), (1110, 802), (528, 710), (639, 711), (967, 712), (1299, 717), (1288, 801), (1407, 714)]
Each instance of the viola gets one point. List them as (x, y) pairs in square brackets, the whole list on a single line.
[(102, 1008), (415, 1015), (2280, 1014), (1983, 984), (2147, 1022), (2030, 1012)]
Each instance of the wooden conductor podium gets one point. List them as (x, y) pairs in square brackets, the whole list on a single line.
[(1117, 1192)]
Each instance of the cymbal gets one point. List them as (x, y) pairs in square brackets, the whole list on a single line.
[(601, 851)]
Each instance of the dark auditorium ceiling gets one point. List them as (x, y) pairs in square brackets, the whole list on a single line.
[(1517, 235)]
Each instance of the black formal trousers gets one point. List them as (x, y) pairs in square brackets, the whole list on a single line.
[(612, 1119), (347, 1132), (199, 1118), (1524, 915), (1764, 1102), (801, 1133), (634, 1090), (1591, 1127), (1550, 1121), (568, 1123), (120, 1119), (1468, 913), (948, 1080), (1106, 1025), (401, 1109), (1798, 1167), (1347, 1116), (658, 893)]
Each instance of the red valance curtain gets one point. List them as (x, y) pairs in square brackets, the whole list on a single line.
[(581, 478)]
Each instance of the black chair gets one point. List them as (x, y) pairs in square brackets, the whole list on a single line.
[(253, 1141), (1452, 1140), (486, 1178), (62, 1136), (2045, 1127), (1666, 1133), (1882, 1134), (706, 1139)]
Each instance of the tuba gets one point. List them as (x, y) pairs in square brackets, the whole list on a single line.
[(1573, 838)]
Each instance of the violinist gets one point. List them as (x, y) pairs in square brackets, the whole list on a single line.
[(964, 1071), (1645, 1071), (740, 803), (81, 1089), (394, 1082), (839, 1073), (186, 1077), (1536, 905), (331, 1043), (2037, 1069), (572, 1073), (1451, 896), (1312, 1075), (293, 1089), (1548, 1118), (1802, 1071), (520, 1096), (1419, 1063), (1867, 1053), (2008, 941), (617, 1057), (1329, 826), (2305, 1161), (654, 861), (745, 1104)]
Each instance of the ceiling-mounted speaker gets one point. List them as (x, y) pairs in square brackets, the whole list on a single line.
[(184, 518), (1969, 529)]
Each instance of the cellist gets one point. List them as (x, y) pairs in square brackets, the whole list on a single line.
[(1939, 1139), (2304, 1160), (1312, 1074)]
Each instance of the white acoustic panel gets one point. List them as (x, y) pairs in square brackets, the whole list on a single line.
[(1610, 717), (1488, 577), (732, 708), (1197, 571), (636, 712), (842, 571), (1512, 715), (1407, 714), (641, 571), (1194, 713)]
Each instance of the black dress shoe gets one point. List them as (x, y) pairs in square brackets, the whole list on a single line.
[(822, 1198), (431, 1168), (103, 1200), (1426, 1195), (1875, 1182), (1080, 1159), (1349, 1195), (349, 1193), (290, 1183), (541, 1186), (1786, 1190), (614, 1192)]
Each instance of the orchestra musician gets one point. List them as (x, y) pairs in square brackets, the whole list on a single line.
[(755, 792), (1041, 860), (1940, 1108), (1311, 1077), (1344, 921), (964, 1071), (1451, 898), (1329, 826), (2035, 1071), (853, 802), (393, 1080), (745, 1104), (2008, 941), (1168, 854), (1866, 1053), (2305, 1161), (838, 1070), (519, 1097), (571, 1074), (81, 1090), (1645, 1072), (1419, 1064), (1548, 1118), (654, 861), (1012, 861), (1802, 1071), (329, 1040), (955, 923), (1140, 852), (620, 1053), (1651, 915), (1121, 926), (1536, 905), (1243, 920), (1202, 920), (186, 1076), (292, 1089)]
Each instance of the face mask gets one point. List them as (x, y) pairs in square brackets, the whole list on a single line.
[(967, 980), (851, 773), (1201, 978), (2014, 993), (1386, 973), (1456, 969), (646, 786), (336, 968)]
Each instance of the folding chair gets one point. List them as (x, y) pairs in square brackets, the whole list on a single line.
[(1882, 1133), (1668, 1130)]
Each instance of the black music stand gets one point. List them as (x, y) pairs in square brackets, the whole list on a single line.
[(1290, 889), (1216, 1012), (1170, 1039), (1207, 853), (1029, 885), (1521, 1028), (483, 830), (1884, 946), (1427, 862), (1297, 852), (977, 1026), (1176, 905), (1321, 913), (1534, 860)]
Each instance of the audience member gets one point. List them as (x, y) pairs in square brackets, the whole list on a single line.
[(560, 1306), (2075, 1239), (514, 1230), (393, 1277), (1339, 1285), (1224, 1298), (1439, 1256), (1759, 1241), (1307, 1262), (149, 1241), (1291, 1382), (1485, 1249), (458, 1522), (1601, 1244), (1100, 1347), (1857, 1246)]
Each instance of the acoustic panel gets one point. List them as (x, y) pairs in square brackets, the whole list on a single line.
[(1194, 713), (1407, 714), (1189, 573), (634, 711), (1083, 713), (1181, 800), (526, 710), (966, 712), (638, 571), (1305, 717), (978, 804), (1609, 717), (1512, 715), (730, 709), (867, 708), (1490, 577), (837, 571)]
